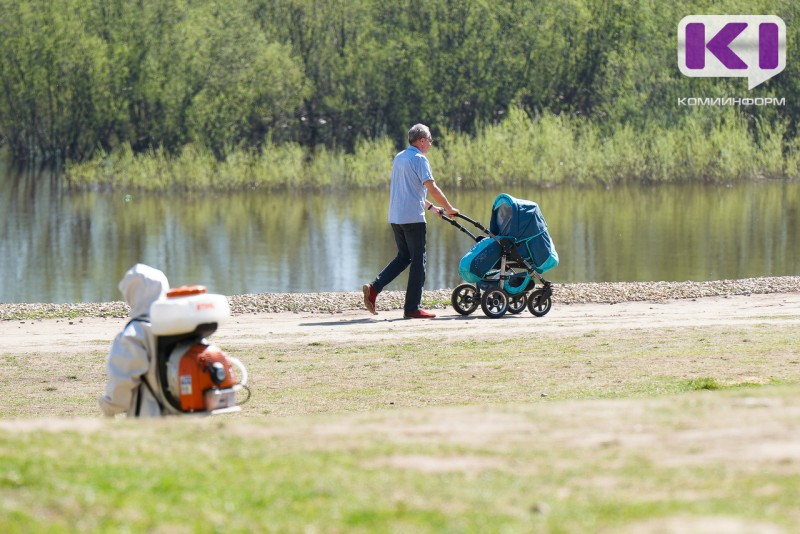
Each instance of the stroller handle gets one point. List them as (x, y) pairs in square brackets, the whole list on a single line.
[(475, 223), (454, 223), (461, 227)]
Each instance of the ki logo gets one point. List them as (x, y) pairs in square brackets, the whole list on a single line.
[(747, 46)]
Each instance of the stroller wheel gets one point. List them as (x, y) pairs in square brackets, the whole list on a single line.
[(494, 303), (516, 304), (465, 299), (539, 304)]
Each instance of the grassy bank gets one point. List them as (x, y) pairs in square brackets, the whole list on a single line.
[(601, 430), (549, 468), (546, 150)]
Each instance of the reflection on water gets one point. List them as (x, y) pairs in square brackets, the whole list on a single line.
[(61, 247)]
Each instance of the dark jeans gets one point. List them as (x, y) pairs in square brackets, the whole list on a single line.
[(410, 240)]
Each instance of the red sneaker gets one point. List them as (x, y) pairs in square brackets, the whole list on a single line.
[(369, 298), (419, 314)]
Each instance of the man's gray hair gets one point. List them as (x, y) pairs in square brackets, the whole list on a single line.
[(417, 132)]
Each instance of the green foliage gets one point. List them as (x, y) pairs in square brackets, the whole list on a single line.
[(707, 383), (590, 87), (564, 150), (83, 75), (546, 150), (56, 80), (245, 89)]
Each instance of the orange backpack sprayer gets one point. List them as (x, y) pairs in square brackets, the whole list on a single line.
[(195, 376)]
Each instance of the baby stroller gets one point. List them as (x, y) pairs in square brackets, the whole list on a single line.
[(501, 271)]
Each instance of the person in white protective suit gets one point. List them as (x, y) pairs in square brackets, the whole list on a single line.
[(132, 355)]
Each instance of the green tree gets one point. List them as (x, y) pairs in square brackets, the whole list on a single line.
[(57, 91)]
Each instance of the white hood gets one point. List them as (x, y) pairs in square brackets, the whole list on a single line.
[(141, 286)]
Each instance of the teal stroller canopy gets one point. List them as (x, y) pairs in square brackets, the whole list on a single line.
[(521, 219)]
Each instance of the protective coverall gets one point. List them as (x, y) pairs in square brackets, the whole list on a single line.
[(133, 351)]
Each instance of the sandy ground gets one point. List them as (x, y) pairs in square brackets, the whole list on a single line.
[(73, 335)]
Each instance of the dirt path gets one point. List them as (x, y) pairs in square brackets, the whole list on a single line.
[(75, 335)]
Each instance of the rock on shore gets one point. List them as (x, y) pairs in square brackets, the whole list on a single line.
[(603, 293)]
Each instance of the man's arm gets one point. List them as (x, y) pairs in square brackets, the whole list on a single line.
[(439, 197)]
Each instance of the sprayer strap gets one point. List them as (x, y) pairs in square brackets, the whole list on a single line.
[(144, 379), (153, 393)]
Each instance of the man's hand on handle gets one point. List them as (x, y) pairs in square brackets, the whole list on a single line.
[(450, 212)]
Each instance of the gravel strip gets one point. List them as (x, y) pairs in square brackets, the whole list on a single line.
[(602, 293)]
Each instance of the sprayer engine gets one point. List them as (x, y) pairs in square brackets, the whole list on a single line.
[(200, 377)]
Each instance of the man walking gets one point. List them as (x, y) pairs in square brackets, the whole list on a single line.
[(412, 180)]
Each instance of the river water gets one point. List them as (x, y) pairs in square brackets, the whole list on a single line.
[(61, 247)]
